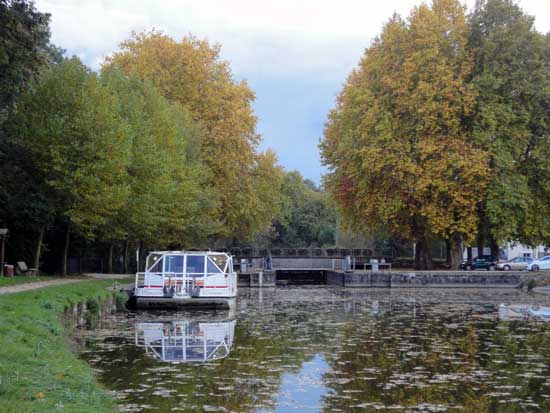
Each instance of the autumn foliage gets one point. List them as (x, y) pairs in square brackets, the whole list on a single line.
[(400, 155), (190, 72)]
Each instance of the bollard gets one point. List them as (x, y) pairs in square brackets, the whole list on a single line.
[(374, 263)]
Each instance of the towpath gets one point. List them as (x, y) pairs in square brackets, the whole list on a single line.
[(39, 284), (60, 281)]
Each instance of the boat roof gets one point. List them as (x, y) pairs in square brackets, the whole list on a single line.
[(189, 252)]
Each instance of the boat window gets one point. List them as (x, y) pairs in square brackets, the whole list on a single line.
[(174, 263), (155, 263), (219, 260), (211, 268), (195, 264)]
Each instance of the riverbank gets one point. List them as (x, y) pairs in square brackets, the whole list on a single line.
[(39, 372)]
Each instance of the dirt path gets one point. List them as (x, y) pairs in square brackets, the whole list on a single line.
[(39, 284)]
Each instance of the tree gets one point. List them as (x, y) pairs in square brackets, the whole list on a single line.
[(24, 44), (306, 220), (25, 201), (511, 122), (70, 126), (167, 200), (399, 153), (24, 52), (191, 73)]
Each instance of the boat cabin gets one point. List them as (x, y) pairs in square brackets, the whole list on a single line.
[(187, 274)]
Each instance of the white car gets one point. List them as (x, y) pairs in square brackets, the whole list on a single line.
[(517, 264), (540, 264)]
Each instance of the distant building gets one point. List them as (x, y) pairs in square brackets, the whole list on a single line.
[(512, 250), (519, 250)]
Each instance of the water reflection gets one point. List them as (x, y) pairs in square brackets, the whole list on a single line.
[(186, 341), (325, 349), (509, 312)]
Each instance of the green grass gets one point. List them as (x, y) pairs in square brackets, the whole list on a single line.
[(38, 370), (23, 279)]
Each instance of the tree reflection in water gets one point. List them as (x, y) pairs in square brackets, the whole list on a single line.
[(324, 349)]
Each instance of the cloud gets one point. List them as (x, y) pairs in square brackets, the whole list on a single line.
[(296, 54), (307, 36)]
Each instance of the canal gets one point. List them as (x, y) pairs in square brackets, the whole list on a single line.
[(323, 349)]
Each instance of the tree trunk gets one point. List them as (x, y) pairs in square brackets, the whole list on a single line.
[(457, 252), (480, 244), (423, 255), (448, 251), (110, 258), (125, 257), (494, 248), (140, 256), (38, 251), (66, 250), (469, 253)]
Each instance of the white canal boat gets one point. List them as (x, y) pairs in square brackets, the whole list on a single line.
[(186, 278)]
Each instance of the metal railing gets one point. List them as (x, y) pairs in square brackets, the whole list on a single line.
[(181, 283), (176, 281), (379, 265), (307, 263)]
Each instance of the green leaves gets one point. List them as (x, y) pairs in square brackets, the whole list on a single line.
[(163, 175), (511, 120), (24, 38), (191, 74), (306, 219), (71, 127)]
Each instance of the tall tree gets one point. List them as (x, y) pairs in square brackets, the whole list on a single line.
[(71, 128), (167, 200), (24, 42), (512, 122), (398, 150), (191, 73)]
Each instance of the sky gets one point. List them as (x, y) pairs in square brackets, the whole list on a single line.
[(295, 54)]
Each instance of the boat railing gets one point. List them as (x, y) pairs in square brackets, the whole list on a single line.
[(180, 282), (140, 279)]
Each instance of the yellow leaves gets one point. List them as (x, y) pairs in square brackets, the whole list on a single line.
[(191, 73), (396, 143)]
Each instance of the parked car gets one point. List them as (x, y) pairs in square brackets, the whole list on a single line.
[(483, 262), (540, 264), (517, 264)]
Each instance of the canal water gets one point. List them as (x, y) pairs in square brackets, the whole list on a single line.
[(321, 349)]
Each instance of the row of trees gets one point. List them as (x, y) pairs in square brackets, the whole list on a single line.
[(443, 130), (159, 149)]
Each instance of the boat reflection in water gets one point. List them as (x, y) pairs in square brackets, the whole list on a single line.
[(186, 341), (522, 312)]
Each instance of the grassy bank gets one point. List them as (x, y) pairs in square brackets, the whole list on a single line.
[(38, 371), (24, 279)]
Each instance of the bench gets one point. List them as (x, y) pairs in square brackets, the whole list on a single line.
[(23, 269)]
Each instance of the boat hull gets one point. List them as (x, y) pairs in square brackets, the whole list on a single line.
[(137, 302)]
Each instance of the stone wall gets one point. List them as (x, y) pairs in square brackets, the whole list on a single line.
[(446, 279), (252, 279)]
